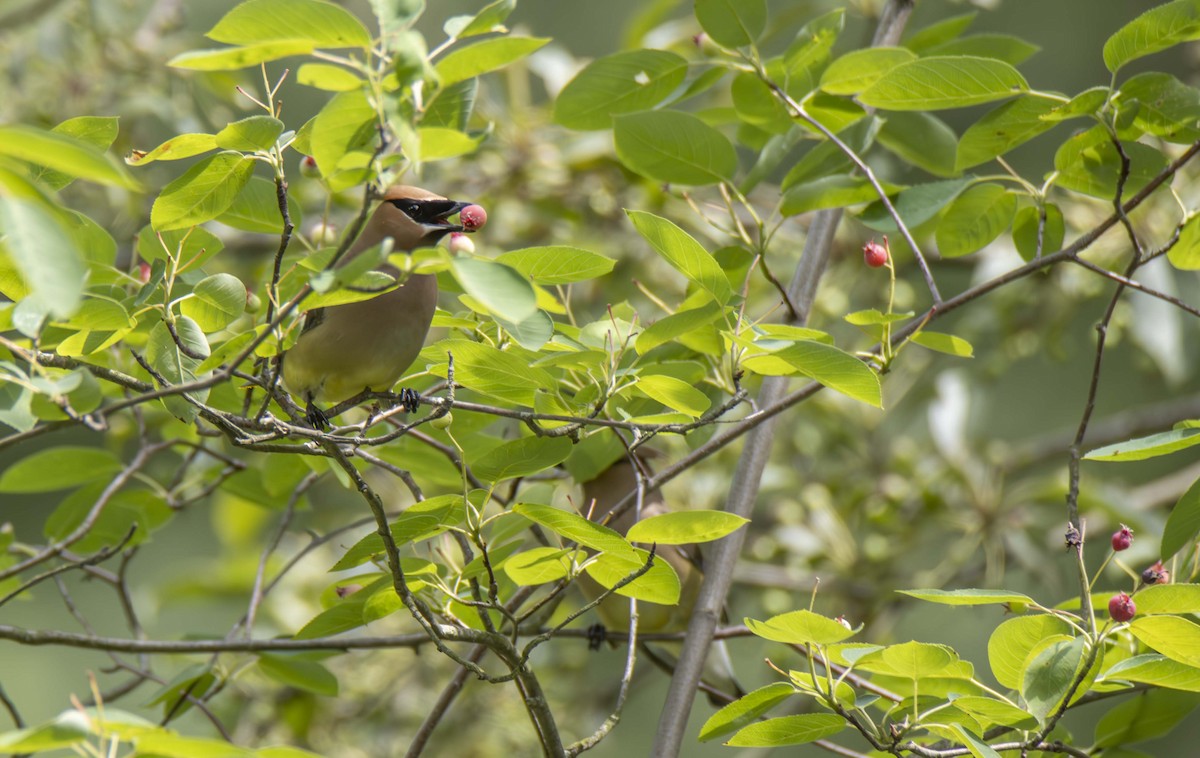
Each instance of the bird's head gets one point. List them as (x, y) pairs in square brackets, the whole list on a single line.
[(414, 217)]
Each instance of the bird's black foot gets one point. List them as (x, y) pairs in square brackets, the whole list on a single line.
[(597, 634), (410, 400), (315, 417)]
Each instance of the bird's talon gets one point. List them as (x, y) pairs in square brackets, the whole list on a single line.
[(410, 400), (315, 417), (596, 635)]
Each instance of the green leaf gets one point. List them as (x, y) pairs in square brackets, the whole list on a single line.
[(183, 146), (300, 673), (921, 139), (50, 263), (194, 246), (975, 218), (1002, 129), (855, 71), (256, 209), (674, 393), (482, 57), (97, 131), (1011, 643), (346, 124), (1085, 104), (174, 366), (256, 133), (1004, 47), (1141, 448), (64, 153), (328, 77), (745, 710), (826, 158), (497, 373), (916, 205), (1182, 525), (800, 628), (59, 468), (732, 23), (1185, 253), (217, 301), (940, 33), (676, 325), (1145, 716), (1025, 231), (1049, 675), (439, 143), (539, 565), (659, 585), (1166, 107), (490, 19), (684, 253), (557, 264), (625, 82), (420, 521), (233, 58), (911, 660), (757, 105), (942, 82), (788, 730), (1088, 163), (321, 23), (837, 191), (673, 146), (978, 748), (1154, 669), (521, 457), (991, 711), (204, 192), (685, 527), (1156, 29), (531, 333), (1173, 636), (826, 364), (1169, 598), (452, 106), (944, 343), (968, 597), (502, 290), (577, 529)]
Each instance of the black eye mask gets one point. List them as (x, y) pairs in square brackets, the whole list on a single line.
[(432, 213)]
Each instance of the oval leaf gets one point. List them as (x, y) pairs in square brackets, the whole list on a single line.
[(675, 147), (634, 80), (684, 253), (204, 192), (685, 527), (941, 82)]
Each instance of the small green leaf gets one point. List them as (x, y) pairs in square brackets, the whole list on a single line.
[(1003, 47), (940, 33), (685, 527), (59, 468), (942, 82), (800, 628), (1049, 676), (1012, 641), (557, 264), (233, 58), (1141, 448), (1086, 104), (673, 146), (1157, 29), (1173, 636), (1169, 598), (323, 24), (674, 393), (1002, 129), (64, 153), (495, 372), (921, 139), (483, 57), (826, 158), (420, 521), (439, 143), (346, 124), (823, 363), (1156, 670), (204, 192), (975, 219), (1089, 163), (676, 325), (490, 19), (98, 131), (944, 343), (295, 671), (684, 253), (577, 529), (837, 191), (1166, 107), (1142, 717), (256, 133), (1025, 231), (328, 77), (539, 565), (217, 301), (915, 205), (745, 710), (502, 290), (855, 71), (521, 457), (659, 585), (183, 146), (968, 597), (624, 82), (1182, 525), (732, 23), (256, 209), (1185, 253), (788, 730), (176, 367)]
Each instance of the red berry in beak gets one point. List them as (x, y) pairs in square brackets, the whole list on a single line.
[(473, 217)]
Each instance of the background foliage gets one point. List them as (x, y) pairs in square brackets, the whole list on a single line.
[(632, 181)]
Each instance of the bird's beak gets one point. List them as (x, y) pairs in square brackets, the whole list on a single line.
[(441, 211)]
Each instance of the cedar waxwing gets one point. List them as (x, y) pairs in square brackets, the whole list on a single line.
[(601, 495), (346, 349)]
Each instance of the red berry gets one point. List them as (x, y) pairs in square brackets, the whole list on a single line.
[(308, 167), (1122, 538), (473, 217), (460, 243), (875, 254), (1121, 607), (143, 272)]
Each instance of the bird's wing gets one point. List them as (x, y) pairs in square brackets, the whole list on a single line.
[(312, 319)]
